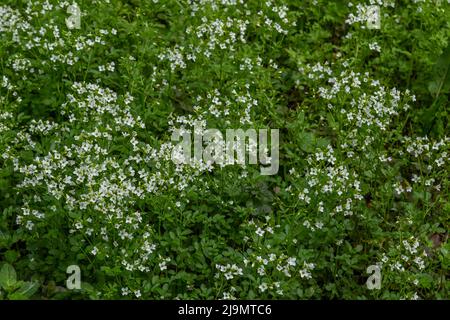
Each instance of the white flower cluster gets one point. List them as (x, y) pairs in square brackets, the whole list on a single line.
[(362, 14), (88, 178), (325, 175), (410, 259), (433, 157), (374, 107), (59, 47), (229, 271)]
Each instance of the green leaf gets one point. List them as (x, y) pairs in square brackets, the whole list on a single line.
[(87, 287), (441, 81), (16, 296), (26, 290), (425, 280), (307, 141), (331, 121), (11, 256), (8, 276)]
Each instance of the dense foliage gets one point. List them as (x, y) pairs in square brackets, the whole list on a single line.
[(87, 179)]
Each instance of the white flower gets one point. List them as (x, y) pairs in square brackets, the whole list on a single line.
[(29, 225), (263, 287), (292, 261), (137, 293), (162, 266), (261, 271), (374, 46), (260, 232), (125, 291), (304, 273)]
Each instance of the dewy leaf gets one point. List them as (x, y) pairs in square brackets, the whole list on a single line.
[(441, 81), (8, 276)]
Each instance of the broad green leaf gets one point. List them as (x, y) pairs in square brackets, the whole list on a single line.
[(8, 276)]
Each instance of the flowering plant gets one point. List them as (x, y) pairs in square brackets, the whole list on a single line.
[(91, 93)]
